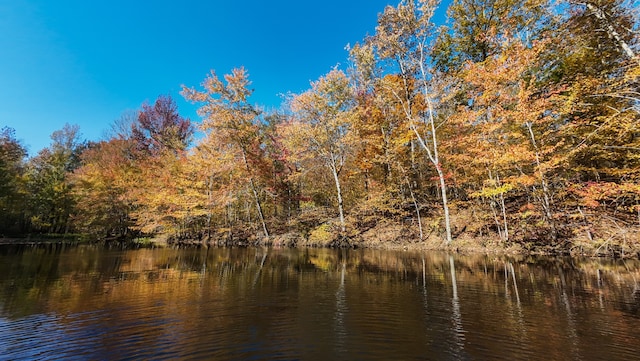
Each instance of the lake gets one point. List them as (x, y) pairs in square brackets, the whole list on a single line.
[(94, 303)]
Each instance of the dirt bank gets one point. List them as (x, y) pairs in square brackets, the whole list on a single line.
[(601, 241)]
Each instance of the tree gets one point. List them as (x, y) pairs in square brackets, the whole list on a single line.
[(166, 197), (613, 21), (479, 29), (102, 189), (597, 73), (383, 135), (138, 179), (228, 115), (12, 154), (213, 171), (321, 127), (403, 36), (277, 168), (506, 143), (50, 197), (160, 127)]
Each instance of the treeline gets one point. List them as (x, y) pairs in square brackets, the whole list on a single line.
[(520, 122)]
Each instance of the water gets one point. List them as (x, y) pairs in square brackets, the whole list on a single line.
[(90, 303)]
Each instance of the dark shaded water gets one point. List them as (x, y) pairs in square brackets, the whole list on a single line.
[(250, 304)]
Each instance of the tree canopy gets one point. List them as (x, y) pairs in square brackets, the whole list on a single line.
[(518, 120)]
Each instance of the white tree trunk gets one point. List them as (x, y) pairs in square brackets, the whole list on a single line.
[(334, 171), (255, 195), (611, 31)]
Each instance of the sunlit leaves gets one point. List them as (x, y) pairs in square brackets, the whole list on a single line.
[(230, 118), (103, 188), (521, 110), (322, 127), (160, 128)]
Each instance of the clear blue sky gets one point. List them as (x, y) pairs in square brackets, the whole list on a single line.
[(86, 62)]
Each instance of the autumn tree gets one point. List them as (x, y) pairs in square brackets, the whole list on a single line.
[(321, 127), (614, 21), (403, 38), (161, 136), (134, 180), (597, 73), (383, 133), (505, 142), (277, 168), (498, 116), (102, 189), (373, 123), (214, 172), (228, 115), (166, 197), (480, 28), (159, 127)]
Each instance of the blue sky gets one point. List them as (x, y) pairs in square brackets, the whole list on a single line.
[(87, 62)]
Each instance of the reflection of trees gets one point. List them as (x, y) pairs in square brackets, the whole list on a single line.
[(456, 316), (341, 332), (318, 292)]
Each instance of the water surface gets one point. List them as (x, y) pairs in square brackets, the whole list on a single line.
[(313, 304)]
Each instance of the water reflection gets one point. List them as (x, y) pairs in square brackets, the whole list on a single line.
[(313, 304), (456, 315), (341, 332)]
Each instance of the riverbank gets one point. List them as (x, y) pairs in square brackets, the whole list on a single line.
[(603, 238), (43, 239)]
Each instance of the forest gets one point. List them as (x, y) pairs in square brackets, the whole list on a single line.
[(514, 125)]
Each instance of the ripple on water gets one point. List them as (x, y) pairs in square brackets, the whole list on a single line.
[(243, 306)]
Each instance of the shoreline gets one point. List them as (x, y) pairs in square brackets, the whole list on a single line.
[(393, 237), (388, 236)]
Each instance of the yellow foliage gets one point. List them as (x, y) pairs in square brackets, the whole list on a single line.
[(323, 234)]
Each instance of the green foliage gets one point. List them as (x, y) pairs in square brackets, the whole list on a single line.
[(12, 187), (50, 201)]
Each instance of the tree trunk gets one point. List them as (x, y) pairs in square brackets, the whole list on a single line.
[(433, 155), (504, 217), (495, 218), (415, 205), (209, 211), (432, 148), (413, 198), (259, 207), (503, 208), (611, 31), (255, 195), (546, 199), (334, 171), (445, 204)]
